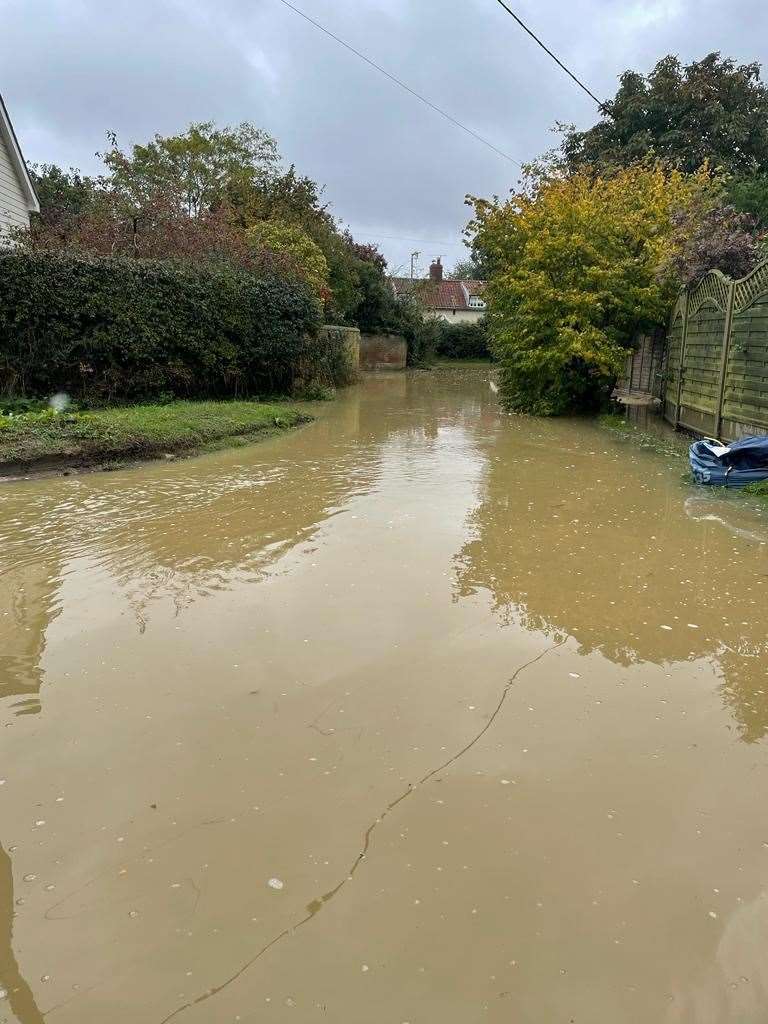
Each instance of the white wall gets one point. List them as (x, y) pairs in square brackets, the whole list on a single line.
[(13, 204), (459, 316)]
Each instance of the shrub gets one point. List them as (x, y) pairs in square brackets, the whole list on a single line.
[(120, 329), (326, 363), (303, 255), (406, 318), (463, 341)]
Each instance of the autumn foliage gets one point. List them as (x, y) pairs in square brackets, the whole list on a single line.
[(576, 268)]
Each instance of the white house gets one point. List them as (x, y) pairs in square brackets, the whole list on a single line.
[(18, 198), (457, 302)]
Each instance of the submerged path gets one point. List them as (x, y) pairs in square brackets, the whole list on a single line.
[(508, 677)]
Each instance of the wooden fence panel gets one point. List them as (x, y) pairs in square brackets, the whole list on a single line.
[(674, 360), (746, 381), (717, 376)]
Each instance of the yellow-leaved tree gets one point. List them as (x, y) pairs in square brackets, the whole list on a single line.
[(575, 269), (293, 245)]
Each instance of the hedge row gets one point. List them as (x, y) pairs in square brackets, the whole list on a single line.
[(118, 329), (463, 341)]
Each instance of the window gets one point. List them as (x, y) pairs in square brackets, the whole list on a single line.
[(476, 302)]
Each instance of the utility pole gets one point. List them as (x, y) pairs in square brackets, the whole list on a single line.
[(414, 256)]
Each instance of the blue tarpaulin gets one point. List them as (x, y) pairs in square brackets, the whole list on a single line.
[(734, 465)]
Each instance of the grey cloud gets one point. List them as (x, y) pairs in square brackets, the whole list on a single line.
[(71, 69)]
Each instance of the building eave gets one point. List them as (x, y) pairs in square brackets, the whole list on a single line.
[(17, 159)]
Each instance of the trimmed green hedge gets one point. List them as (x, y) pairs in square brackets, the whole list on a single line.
[(463, 341), (118, 329)]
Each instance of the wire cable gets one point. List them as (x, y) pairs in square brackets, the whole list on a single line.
[(407, 238), (554, 57), (402, 84)]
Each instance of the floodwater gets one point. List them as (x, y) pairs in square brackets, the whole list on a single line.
[(420, 714)]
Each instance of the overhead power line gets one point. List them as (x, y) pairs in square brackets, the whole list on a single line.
[(555, 58), (406, 238), (402, 84)]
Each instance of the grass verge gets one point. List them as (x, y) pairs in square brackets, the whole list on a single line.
[(675, 445), (37, 441)]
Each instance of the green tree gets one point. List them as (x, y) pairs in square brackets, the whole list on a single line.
[(576, 272), (300, 252), (216, 194), (67, 198), (199, 169), (750, 195), (467, 269), (713, 110), (286, 196)]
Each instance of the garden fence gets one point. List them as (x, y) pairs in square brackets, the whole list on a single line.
[(717, 358)]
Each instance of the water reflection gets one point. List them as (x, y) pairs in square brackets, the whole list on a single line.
[(17, 993), (28, 604), (581, 534), (178, 533)]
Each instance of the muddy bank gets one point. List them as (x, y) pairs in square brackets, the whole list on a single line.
[(120, 438)]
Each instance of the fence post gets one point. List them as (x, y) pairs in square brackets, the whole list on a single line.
[(683, 338), (724, 357)]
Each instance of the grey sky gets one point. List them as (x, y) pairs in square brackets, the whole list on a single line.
[(71, 69)]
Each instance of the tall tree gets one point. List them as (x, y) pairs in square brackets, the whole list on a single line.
[(199, 169), (711, 235), (64, 195), (713, 110), (576, 271), (467, 269), (750, 196)]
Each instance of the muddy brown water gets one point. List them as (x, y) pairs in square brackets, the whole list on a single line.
[(419, 714)]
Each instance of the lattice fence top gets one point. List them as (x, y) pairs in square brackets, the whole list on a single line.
[(749, 287), (713, 288)]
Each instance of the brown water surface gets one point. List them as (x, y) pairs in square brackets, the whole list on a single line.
[(420, 714)]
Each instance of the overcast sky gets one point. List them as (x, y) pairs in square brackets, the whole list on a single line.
[(394, 170)]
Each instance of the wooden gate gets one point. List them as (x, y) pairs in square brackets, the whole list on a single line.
[(644, 371)]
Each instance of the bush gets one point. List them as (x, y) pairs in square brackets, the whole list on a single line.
[(120, 329), (463, 341), (326, 363), (422, 337), (405, 317)]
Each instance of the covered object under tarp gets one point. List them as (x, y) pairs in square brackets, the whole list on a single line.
[(734, 465)]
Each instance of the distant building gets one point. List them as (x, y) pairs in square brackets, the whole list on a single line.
[(457, 302), (18, 198)]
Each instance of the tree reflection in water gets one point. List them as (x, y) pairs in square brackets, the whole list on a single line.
[(18, 994), (601, 544)]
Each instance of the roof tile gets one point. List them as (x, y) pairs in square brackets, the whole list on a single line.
[(438, 294)]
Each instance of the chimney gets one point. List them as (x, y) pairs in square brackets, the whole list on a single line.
[(436, 270)]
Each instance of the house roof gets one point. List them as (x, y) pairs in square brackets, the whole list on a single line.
[(8, 135), (439, 294)]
